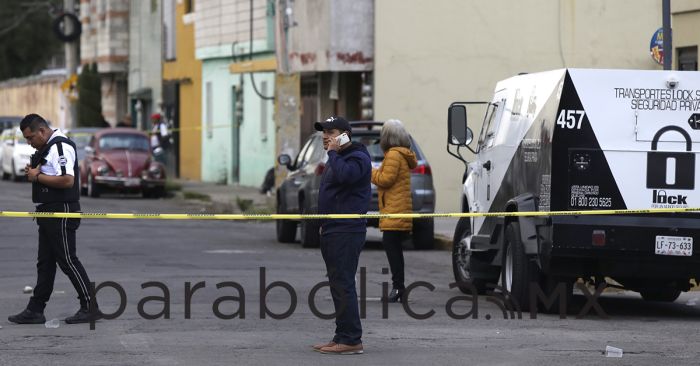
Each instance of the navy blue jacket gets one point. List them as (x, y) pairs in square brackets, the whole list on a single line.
[(345, 189)]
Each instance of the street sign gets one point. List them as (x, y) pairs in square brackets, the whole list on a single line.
[(656, 47)]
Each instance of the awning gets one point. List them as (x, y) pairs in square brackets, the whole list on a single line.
[(260, 65), (142, 93)]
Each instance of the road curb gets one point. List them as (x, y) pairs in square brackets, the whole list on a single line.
[(443, 243)]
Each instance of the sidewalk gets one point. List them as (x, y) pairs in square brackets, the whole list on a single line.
[(228, 198)]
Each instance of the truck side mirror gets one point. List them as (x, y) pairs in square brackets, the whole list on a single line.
[(458, 134)]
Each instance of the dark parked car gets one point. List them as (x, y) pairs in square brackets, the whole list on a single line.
[(9, 122), (299, 191), (121, 159)]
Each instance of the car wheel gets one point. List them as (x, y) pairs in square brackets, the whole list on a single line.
[(424, 234), (286, 229), (158, 192), (464, 263), (517, 271), (146, 193), (310, 238), (663, 294), (92, 189)]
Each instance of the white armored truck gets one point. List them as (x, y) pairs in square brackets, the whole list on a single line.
[(580, 140)]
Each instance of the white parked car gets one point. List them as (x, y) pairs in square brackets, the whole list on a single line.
[(15, 155)]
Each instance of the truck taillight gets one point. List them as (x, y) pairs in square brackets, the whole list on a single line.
[(319, 169), (423, 169), (598, 239)]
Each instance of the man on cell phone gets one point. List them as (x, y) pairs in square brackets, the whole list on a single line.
[(345, 189)]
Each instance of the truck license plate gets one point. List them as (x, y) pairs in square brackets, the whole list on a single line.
[(674, 245)]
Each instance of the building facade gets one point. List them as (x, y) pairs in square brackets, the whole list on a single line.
[(105, 41), (325, 58), (182, 86), (145, 61), (41, 94), (686, 38), (235, 47)]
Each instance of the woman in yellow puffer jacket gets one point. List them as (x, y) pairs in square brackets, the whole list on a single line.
[(393, 181)]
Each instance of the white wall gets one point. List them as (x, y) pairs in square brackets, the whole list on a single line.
[(431, 53)]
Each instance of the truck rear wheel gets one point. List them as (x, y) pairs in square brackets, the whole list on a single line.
[(663, 294), (517, 270)]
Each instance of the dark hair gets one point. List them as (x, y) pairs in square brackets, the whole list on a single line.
[(33, 122)]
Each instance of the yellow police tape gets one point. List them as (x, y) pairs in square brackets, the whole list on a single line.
[(155, 216), (170, 130)]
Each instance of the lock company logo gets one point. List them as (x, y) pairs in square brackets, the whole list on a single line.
[(674, 170), (661, 199)]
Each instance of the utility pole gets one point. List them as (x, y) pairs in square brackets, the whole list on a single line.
[(668, 35), (71, 49)]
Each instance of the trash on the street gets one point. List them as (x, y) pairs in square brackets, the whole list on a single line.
[(613, 351), (53, 323), (59, 292), (692, 302), (28, 289)]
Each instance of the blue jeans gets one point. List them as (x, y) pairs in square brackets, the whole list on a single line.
[(341, 252)]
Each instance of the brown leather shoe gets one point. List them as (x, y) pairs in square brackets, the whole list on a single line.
[(317, 347), (343, 349)]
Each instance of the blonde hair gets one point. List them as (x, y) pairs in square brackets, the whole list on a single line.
[(393, 135)]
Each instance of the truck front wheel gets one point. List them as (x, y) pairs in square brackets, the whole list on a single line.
[(464, 263)]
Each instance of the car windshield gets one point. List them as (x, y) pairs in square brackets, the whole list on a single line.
[(81, 139), (123, 141), (371, 141)]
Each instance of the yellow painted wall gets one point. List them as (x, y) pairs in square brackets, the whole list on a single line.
[(188, 70)]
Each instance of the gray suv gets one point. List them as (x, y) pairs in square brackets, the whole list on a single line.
[(298, 193)]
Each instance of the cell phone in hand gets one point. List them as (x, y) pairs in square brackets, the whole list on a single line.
[(342, 139)]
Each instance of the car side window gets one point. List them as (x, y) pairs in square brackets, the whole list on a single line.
[(311, 152), (319, 153), (299, 162), (488, 121), (490, 127)]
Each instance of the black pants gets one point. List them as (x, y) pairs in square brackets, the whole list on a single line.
[(392, 242), (57, 246), (341, 252)]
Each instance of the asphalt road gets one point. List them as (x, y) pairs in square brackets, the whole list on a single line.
[(132, 253)]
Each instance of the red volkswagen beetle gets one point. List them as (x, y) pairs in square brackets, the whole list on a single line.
[(120, 159)]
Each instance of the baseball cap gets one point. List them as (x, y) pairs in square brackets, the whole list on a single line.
[(334, 122)]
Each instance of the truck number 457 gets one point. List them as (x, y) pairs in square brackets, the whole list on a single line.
[(568, 119)]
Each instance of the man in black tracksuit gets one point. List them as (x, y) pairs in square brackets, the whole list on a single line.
[(54, 175)]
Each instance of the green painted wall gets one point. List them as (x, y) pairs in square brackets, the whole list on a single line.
[(227, 143)]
